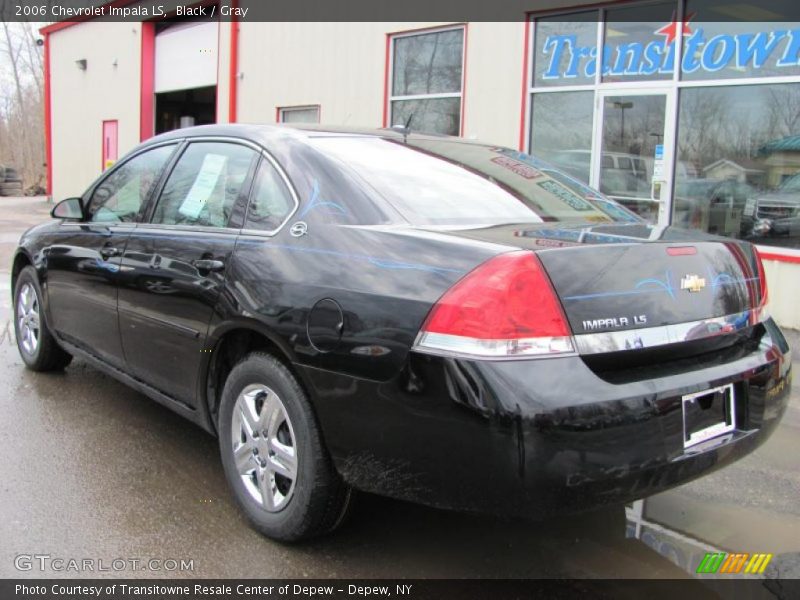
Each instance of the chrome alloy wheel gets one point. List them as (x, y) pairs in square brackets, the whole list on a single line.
[(28, 328), (264, 448)]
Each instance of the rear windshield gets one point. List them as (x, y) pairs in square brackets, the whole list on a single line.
[(446, 182)]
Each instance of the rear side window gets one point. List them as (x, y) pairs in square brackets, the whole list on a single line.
[(203, 187), (270, 201), (121, 194)]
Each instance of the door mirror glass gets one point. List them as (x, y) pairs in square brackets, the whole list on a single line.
[(70, 208)]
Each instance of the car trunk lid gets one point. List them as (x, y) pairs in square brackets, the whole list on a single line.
[(624, 277)]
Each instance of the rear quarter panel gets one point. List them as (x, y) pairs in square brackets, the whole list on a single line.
[(384, 280)]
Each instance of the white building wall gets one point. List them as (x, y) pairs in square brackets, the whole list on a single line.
[(341, 67), (493, 101), (82, 100), (783, 285)]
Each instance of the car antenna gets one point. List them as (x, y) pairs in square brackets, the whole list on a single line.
[(404, 129), (407, 128)]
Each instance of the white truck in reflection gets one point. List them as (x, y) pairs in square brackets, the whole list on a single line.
[(626, 178), (777, 213)]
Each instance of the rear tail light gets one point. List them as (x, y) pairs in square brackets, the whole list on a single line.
[(504, 308), (760, 306)]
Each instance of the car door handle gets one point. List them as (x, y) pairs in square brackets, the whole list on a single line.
[(207, 264), (109, 251)]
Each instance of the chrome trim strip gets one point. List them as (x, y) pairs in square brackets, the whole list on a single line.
[(717, 429), (454, 346), (649, 337)]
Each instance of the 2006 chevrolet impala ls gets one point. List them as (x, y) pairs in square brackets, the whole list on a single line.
[(448, 322)]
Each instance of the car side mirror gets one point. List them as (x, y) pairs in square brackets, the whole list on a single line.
[(70, 209)]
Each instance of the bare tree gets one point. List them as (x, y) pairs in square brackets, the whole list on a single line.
[(21, 101), (784, 111), (703, 119)]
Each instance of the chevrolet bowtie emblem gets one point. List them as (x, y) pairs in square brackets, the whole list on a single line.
[(693, 283)]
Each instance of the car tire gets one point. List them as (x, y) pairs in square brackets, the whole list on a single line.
[(304, 497), (37, 346)]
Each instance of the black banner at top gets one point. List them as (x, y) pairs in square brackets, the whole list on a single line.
[(46, 11)]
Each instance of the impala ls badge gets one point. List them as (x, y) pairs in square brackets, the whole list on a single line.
[(693, 283)]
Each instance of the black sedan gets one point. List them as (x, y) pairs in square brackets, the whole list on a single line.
[(447, 322)]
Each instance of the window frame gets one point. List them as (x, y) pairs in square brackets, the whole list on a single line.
[(242, 199), (390, 54), (281, 110), (142, 216), (266, 156)]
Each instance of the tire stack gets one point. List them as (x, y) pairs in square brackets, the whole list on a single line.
[(10, 182)]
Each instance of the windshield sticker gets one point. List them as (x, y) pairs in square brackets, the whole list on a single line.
[(517, 167), (203, 185), (572, 200)]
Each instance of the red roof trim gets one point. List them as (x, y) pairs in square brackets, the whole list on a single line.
[(64, 24), (788, 258), (233, 69), (147, 81), (386, 63), (523, 116), (48, 131)]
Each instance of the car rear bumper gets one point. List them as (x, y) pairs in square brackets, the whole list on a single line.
[(542, 436)]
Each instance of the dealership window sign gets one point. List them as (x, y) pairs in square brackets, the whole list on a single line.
[(710, 53)]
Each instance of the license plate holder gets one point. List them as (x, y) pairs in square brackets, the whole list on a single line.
[(708, 414)]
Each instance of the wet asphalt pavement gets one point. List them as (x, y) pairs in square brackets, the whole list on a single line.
[(92, 469)]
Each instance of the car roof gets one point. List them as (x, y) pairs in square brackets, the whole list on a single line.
[(264, 132)]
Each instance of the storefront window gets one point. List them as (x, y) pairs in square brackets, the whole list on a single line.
[(633, 129), (564, 142), (737, 171), (734, 49), (564, 45), (639, 43)]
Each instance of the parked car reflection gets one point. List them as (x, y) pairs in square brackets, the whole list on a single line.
[(723, 207), (777, 213), (623, 177)]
